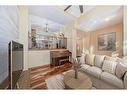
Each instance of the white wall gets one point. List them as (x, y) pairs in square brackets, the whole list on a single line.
[(8, 32), (38, 58), (23, 32), (125, 31)]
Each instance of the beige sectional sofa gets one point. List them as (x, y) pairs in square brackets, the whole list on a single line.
[(105, 72)]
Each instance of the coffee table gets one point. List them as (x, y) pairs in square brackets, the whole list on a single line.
[(82, 82)]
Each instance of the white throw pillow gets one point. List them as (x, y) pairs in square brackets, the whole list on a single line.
[(99, 60), (90, 59), (110, 58), (82, 59), (109, 66)]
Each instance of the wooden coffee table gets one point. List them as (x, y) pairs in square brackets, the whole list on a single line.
[(82, 82)]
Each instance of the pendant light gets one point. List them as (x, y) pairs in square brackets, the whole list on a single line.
[(46, 28)]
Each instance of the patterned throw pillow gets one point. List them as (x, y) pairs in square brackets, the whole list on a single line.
[(90, 59), (110, 58), (109, 66)]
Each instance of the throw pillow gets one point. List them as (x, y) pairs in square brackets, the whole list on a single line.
[(90, 59), (120, 70), (99, 60), (109, 66), (110, 58)]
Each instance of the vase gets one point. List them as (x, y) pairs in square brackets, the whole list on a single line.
[(76, 73)]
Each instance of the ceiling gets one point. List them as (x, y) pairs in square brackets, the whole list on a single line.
[(51, 13), (40, 24), (57, 18), (102, 20), (74, 10)]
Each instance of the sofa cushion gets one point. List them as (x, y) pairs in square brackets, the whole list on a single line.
[(82, 59), (121, 69), (112, 79), (110, 58), (109, 66), (99, 60), (90, 59), (84, 67), (95, 71)]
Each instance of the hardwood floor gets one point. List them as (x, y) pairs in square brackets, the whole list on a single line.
[(38, 75)]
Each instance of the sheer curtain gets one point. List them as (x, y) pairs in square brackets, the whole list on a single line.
[(8, 32)]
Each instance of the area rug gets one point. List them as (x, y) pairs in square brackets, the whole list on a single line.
[(56, 81)]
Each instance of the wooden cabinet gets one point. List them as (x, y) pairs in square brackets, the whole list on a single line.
[(59, 57)]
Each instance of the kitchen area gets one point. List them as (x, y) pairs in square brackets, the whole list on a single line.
[(47, 48)]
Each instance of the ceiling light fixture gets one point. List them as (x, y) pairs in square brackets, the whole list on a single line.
[(80, 8), (46, 28)]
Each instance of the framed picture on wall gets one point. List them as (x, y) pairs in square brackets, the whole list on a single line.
[(107, 42)]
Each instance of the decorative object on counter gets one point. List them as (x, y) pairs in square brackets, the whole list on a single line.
[(47, 42), (61, 35), (33, 42)]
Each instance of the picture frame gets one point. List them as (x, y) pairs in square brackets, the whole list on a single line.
[(107, 42)]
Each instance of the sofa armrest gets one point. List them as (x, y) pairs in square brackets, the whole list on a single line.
[(125, 80)]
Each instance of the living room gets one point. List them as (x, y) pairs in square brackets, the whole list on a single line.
[(57, 39)]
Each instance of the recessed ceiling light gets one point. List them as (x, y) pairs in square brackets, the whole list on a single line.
[(109, 18)]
